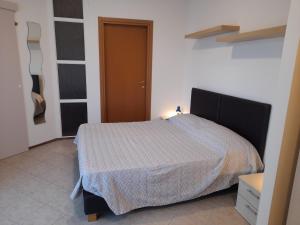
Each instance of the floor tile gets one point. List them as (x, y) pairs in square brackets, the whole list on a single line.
[(35, 188), (44, 215)]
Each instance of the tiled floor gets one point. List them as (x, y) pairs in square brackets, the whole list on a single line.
[(35, 188)]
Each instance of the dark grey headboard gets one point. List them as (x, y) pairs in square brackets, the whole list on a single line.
[(249, 119)]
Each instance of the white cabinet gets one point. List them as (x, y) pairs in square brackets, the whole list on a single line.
[(250, 187), (13, 129)]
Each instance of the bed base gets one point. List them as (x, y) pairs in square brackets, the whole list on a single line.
[(94, 205), (92, 217)]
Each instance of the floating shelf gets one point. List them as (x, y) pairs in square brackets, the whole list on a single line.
[(213, 31), (271, 32), (33, 41)]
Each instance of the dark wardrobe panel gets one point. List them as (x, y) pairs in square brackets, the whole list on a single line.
[(72, 83), (69, 41), (68, 8), (72, 116)]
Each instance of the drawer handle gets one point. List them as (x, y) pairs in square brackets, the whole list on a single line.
[(251, 210), (252, 193)]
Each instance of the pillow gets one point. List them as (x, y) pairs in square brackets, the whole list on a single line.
[(219, 139)]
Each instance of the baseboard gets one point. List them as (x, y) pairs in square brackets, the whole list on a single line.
[(50, 141)]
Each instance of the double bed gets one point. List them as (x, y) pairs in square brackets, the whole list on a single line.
[(127, 166)]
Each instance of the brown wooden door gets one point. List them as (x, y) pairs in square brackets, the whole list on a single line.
[(125, 63)]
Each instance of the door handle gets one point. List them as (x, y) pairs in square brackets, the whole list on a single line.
[(141, 82)]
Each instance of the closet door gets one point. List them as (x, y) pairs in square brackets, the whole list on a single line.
[(13, 131)]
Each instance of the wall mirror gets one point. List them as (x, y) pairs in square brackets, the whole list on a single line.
[(35, 69)]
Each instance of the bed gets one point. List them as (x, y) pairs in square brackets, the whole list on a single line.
[(126, 166)]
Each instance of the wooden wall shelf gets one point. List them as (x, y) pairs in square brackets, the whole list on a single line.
[(33, 41), (213, 31), (271, 32)]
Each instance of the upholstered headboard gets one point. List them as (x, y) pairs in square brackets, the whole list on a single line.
[(249, 119)]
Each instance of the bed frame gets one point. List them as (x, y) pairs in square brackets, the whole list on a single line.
[(249, 119)]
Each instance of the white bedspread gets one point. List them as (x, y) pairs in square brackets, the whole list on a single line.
[(134, 165)]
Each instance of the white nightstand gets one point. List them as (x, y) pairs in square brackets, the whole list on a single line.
[(250, 187)]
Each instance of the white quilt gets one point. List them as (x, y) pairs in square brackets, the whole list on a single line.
[(135, 165)]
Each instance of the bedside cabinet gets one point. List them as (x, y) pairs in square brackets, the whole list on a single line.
[(250, 187)]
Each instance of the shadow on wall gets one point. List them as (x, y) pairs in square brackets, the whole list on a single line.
[(208, 43), (269, 48)]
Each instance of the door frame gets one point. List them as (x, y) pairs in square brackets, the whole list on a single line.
[(131, 22)]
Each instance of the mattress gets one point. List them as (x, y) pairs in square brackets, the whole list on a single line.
[(160, 162)]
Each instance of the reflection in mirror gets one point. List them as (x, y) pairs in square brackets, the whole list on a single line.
[(35, 69)]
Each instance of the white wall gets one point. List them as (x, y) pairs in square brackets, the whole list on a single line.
[(256, 70), (282, 88), (168, 48), (248, 69), (39, 11), (168, 57)]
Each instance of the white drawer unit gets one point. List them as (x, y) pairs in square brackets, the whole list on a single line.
[(246, 210), (250, 187)]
